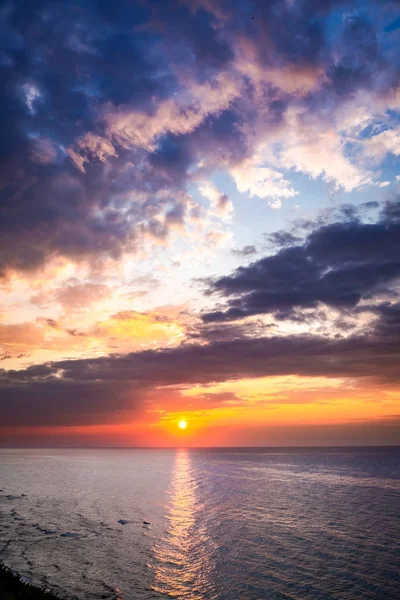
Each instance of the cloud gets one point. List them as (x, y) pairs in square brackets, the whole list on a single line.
[(196, 88), (282, 238), (248, 250), (68, 155), (153, 99), (339, 265), (258, 180), (81, 329), (220, 203), (77, 296), (91, 145), (176, 116), (43, 151), (21, 335), (142, 329), (90, 390), (297, 80), (381, 144), (309, 146), (216, 238)]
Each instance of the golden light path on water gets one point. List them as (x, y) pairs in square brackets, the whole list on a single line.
[(183, 563)]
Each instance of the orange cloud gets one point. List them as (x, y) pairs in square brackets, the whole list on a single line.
[(47, 339), (141, 329)]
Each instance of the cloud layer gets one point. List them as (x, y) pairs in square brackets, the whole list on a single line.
[(165, 173), (107, 114), (340, 265)]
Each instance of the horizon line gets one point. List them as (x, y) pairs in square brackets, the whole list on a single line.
[(305, 447)]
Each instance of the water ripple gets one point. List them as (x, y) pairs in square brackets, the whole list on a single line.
[(183, 566)]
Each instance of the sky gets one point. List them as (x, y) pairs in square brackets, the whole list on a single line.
[(199, 221)]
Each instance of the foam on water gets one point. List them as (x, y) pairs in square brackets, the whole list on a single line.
[(198, 525)]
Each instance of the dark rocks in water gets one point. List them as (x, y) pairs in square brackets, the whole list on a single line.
[(49, 531), (14, 587), (122, 521), (146, 523)]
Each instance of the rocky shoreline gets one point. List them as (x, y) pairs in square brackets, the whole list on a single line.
[(12, 587)]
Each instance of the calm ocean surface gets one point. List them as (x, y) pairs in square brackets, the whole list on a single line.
[(227, 524)]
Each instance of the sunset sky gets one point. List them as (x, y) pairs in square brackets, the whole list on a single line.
[(199, 221)]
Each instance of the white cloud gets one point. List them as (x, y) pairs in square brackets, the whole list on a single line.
[(316, 149), (378, 146), (216, 238), (259, 180), (220, 203), (276, 203), (32, 96)]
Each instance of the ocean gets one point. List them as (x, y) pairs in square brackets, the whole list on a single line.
[(248, 524)]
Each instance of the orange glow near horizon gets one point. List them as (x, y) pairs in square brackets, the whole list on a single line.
[(264, 411)]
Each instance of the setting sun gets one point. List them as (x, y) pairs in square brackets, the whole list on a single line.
[(182, 424)]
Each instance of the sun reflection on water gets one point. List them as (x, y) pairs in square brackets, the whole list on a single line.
[(183, 562)]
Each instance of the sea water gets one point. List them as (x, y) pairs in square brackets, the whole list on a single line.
[(276, 524)]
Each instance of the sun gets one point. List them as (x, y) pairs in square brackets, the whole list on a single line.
[(182, 424)]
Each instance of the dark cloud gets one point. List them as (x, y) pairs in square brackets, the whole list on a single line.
[(52, 323), (220, 138), (230, 331), (379, 432), (75, 333), (202, 46), (89, 390), (393, 25), (59, 63), (245, 251), (66, 403), (388, 323), (360, 55), (62, 63), (282, 238), (338, 265), (173, 157)]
